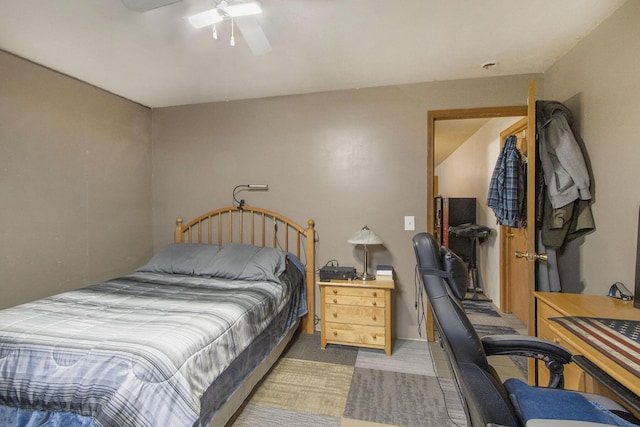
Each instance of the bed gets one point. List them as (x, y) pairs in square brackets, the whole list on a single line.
[(180, 342)]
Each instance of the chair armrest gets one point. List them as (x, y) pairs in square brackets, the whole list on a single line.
[(524, 345), (553, 355)]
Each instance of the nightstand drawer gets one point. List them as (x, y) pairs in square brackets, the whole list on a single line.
[(355, 315), (355, 334), (356, 292), (354, 300)]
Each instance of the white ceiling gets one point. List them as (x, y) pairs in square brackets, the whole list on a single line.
[(156, 59)]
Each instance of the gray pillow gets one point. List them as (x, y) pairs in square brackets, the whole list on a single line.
[(182, 258), (247, 262)]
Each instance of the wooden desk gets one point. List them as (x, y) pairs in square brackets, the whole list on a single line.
[(549, 305)]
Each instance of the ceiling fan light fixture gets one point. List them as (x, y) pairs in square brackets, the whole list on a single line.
[(213, 16), (241, 14)]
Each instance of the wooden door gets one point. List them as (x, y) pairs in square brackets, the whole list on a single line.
[(514, 275), (517, 246)]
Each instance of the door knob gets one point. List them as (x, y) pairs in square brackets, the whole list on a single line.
[(531, 257)]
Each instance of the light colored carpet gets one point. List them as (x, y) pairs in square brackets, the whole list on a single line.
[(254, 415), (303, 385), (411, 357)]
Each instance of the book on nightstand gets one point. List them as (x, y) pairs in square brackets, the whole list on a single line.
[(384, 272)]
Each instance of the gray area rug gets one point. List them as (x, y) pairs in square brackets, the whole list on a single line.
[(484, 308), (401, 399)]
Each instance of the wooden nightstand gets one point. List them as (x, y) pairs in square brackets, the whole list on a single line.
[(356, 312)]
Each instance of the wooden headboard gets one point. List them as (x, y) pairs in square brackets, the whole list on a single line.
[(260, 227)]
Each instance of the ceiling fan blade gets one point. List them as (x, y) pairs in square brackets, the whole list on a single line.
[(145, 5), (253, 35), (243, 9)]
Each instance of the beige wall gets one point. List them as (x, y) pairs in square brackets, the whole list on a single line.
[(75, 183), (344, 158), (598, 80)]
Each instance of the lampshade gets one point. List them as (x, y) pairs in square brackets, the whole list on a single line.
[(365, 237)]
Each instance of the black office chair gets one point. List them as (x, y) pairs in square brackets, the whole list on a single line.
[(487, 401)]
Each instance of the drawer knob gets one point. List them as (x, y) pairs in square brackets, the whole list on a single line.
[(335, 315), (374, 303), (335, 291), (335, 301), (375, 294), (374, 337), (335, 333), (374, 318)]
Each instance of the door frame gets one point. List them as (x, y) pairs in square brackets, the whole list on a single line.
[(454, 114)]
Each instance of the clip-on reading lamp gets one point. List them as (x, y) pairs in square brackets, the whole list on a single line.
[(251, 187)]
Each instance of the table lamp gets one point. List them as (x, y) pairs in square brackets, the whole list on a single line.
[(365, 237)]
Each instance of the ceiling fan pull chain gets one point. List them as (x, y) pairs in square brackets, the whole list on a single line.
[(233, 39)]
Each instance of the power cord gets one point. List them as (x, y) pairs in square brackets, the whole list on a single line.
[(419, 301)]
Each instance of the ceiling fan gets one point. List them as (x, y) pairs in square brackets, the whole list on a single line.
[(240, 13)]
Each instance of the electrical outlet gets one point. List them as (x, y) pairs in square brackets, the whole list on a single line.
[(409, 223)]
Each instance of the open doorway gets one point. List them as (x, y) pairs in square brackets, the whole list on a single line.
[(490, 121), (530, 256), (465, 153), (457, 114)]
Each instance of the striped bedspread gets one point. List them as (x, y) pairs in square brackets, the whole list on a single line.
[(134, 351)]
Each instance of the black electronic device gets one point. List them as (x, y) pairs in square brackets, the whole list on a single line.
[(620, 291), (330, 272), (454, 211)]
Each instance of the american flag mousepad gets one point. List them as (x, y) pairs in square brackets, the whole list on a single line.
[(618, 339)]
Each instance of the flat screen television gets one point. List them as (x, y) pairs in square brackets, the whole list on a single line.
[(636, 294)]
